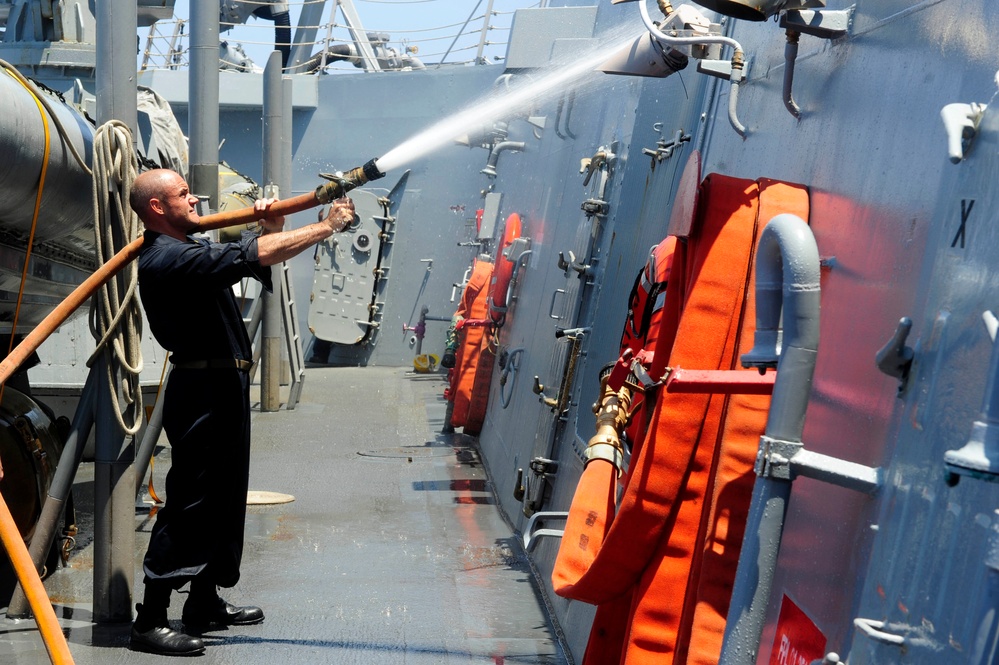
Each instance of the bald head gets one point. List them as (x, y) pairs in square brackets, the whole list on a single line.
[(164, 203), (150, 185)]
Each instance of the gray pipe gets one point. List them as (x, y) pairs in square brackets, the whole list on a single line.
[(787, 256), (62, 483), (790, 56), (491, 162), (114, 508), (203, 109), (114, 500), (273, 174)]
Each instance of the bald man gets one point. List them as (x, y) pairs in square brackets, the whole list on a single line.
[(186, 288)]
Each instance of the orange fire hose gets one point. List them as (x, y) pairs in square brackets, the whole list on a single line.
[(662, 586), (48, 624), (622, 547), (474, 359), (126, 255)]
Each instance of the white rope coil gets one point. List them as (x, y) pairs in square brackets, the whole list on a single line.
[(115, 314)]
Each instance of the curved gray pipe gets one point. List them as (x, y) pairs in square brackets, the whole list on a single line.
[(515, 146), (790, 56), (787, 278)]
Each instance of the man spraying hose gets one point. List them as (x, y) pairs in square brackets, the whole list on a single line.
[(186, 291)]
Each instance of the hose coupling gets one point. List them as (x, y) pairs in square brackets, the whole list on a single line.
[(613, 414), (341, 183)]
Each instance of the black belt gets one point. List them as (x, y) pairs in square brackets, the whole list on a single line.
[(214, 363)]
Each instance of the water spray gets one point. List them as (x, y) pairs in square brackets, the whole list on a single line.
[(335, 189)]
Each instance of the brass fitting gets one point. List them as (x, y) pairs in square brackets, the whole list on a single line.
[(339, 185), (613, 414)]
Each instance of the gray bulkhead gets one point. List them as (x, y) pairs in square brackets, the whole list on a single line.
[(887, 210)]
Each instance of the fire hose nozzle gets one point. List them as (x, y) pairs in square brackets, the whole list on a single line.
[(340, 184)]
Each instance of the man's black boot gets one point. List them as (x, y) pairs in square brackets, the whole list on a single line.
[(219, 614), (151, 633), (205, 610)]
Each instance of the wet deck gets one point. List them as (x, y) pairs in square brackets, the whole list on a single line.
[(392, 552)]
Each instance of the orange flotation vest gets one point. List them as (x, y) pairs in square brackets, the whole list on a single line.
[(475, 357), (660, 564)]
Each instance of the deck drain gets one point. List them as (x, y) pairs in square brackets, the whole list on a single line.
[(405, 452)]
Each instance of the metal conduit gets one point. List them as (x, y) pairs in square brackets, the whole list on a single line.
[(787, 278)]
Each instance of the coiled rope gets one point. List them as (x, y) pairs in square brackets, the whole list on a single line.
[(115, 315)]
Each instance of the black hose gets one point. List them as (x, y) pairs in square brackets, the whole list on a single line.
[(282, 36)]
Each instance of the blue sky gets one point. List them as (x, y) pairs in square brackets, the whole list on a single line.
[(428, 25)]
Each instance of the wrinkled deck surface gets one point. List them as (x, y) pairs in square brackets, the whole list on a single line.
[(392, 552)]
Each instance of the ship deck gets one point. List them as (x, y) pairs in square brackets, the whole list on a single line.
[(393, 550)]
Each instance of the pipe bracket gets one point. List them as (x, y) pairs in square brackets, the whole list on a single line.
[(773, 460), (822, 23), (786, 460)]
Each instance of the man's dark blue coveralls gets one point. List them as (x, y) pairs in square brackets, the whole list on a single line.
[(192, 311)]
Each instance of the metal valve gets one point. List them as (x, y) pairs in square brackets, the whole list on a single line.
[(539, 389)]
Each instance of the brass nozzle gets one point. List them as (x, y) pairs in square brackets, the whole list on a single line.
[(338, 188), (612, 417)]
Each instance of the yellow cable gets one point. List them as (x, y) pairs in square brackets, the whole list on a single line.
[(34, 218), (152, 458)]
